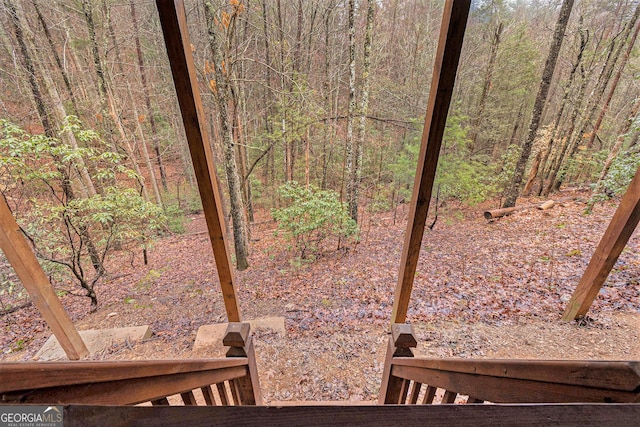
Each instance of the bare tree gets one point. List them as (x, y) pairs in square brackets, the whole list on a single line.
[(541, 99)]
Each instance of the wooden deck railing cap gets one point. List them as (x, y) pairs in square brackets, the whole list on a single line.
[(403, 338)]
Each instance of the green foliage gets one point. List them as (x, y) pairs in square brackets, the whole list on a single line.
[(312, 215), (585, 164), (506, 166), (13, 290), (463, 180), (621, 172), (175, 218), (459, 175), (69, 228), (404, 169)]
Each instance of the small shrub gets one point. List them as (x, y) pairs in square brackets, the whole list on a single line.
[(311, 216), (175, 218), (617, 180)]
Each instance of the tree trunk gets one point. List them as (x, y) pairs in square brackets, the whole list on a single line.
[(147, 98), (541, 98), (362, 110), (221, 94), (624, 132), (351, 152), (266, 95), (52, 46), (571, 141), (87, 9), (584, 39), (616, 79), (488, 79), (28, 63)]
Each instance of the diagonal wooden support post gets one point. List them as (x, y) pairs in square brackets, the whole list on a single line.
[(247, 388), (35, 281), (454, 22), (174, 28), (620, 229)]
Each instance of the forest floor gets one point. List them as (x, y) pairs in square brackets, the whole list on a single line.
[(482, 290)]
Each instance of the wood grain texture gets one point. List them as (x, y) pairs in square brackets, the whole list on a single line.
[(390, 387), (378, 415), (512, 390), (124, 392), (174, 29), (21, 376), (224, 395), (35, 281), (449, 396), (615, 238), (620, 375), (209, 398), (429, 395), (188, 398), (452, 31), (415, 391), (237, 334)]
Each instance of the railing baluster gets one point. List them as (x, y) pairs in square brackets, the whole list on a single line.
[(404, 391), (415, 392), (429, 394), (188, 398), (449, 396), (207, 393), (222, 392), (233, 386), (160, 402)]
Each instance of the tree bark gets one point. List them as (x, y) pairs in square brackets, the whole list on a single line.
[(571, 140), (541, 99), (351, 152), (52, 46), (221, 94), (147, 99), (363, 108), (616, 79), (488, 79), (65, 180), (540, 167), (624, 132)]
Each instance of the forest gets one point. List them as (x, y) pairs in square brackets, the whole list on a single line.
[(315, 112)]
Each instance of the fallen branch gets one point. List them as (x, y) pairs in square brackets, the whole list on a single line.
[(547, 205), (499, 213)]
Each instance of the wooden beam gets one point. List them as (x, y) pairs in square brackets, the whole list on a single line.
[(512, 390), (174, 28), (454, 22), (380, 415), (42, 375), (124, 392), (35, 281), (618, 375), (620, 229)]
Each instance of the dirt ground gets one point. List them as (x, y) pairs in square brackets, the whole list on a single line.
[(482, 290)]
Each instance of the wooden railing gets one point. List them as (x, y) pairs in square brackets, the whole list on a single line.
[(416, 380), (230, 381)]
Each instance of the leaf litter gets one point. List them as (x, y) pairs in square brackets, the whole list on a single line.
[(482, 289)]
